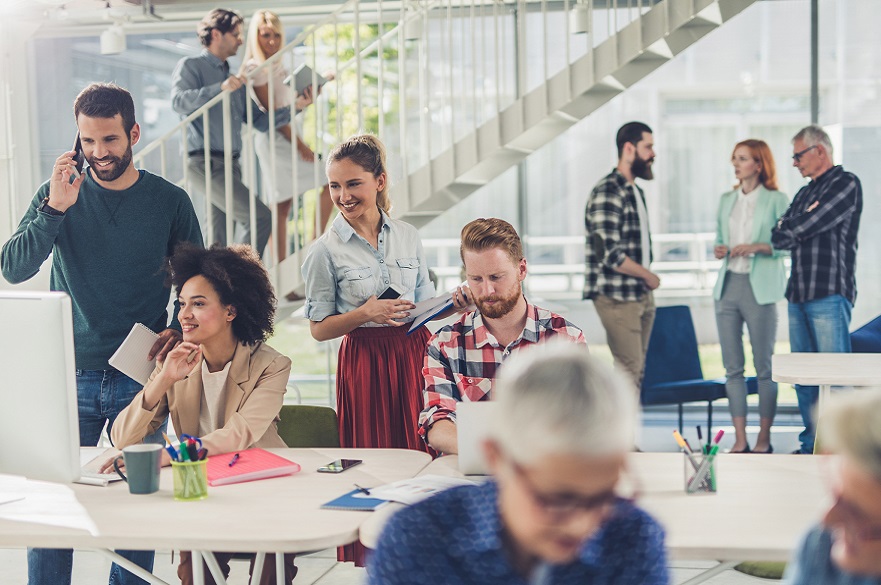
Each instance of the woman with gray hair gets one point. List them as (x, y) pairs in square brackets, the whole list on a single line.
[(845, 547), (557, 449)]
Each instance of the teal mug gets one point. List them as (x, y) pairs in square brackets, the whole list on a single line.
[(142, 464)]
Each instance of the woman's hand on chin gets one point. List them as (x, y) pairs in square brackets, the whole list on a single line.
[(180, 361)]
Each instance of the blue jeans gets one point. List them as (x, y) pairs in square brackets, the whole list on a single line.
[(101, 395), (821, 325)]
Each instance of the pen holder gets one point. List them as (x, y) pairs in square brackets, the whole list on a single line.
[(700, 480), (190, 480)]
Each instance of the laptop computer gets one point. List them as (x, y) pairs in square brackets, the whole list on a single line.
[(473, 421)]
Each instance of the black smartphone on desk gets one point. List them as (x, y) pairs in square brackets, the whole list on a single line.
[(339, 466)]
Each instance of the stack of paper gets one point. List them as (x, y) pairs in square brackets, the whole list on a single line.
[(416, 489)]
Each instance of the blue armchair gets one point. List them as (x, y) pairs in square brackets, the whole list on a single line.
[(673, 373)]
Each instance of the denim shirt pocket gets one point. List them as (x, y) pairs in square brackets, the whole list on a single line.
[(360, 283), (409, 268)]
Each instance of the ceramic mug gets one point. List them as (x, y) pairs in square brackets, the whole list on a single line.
[(142, 464)]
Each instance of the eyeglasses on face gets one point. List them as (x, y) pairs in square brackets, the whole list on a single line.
[(797, 156), (564, 506)]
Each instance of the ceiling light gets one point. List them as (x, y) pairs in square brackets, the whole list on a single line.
[(113, 40)]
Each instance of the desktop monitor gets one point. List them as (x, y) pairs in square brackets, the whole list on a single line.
[(39, 428)]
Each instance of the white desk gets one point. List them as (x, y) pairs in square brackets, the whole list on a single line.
[(279, 514), (826, 370), (763, 506)]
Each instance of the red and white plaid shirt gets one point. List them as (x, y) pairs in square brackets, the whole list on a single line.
[(463, 358)]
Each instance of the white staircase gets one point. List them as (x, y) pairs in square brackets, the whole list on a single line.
[(536, 118)]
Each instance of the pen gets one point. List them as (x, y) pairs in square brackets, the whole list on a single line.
[(700, 437), (234, 459), (683, 445), (203, 454), (184, 456), (170, 448), (363, 490)]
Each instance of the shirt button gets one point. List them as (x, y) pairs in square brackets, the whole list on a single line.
[(382, 261), (470, 380)]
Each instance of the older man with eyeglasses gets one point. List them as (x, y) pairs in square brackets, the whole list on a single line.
[(845, 548), (820, 230), (552, 513)]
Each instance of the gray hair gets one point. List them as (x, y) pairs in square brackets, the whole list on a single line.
[(814, 135), (852, 427), (554, 398)]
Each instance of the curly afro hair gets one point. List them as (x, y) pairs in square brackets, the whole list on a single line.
[(240, 280)]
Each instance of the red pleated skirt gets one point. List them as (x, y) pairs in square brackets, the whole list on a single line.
[(379, 395)]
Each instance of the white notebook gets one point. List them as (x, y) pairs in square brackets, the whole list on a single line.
[(131, 357)]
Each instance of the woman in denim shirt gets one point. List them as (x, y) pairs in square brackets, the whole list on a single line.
[(365, 252)]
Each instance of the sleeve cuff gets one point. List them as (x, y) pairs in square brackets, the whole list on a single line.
[(318, 310)]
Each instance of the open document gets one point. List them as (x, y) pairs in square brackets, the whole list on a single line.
[(416, 489)]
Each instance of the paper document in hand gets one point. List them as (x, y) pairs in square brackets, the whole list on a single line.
[(131, 357), (410, 491), (425, 311)]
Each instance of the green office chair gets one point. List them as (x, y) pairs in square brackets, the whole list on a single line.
[(304, 426)]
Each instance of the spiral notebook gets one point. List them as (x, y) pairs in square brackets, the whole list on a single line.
[(251, 464), (131, 356)]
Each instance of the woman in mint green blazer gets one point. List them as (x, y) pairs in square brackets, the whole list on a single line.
[(752, 279)]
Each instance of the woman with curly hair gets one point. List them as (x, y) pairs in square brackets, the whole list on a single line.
[(222, 382)]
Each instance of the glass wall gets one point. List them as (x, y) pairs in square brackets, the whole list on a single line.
[(749, 78)]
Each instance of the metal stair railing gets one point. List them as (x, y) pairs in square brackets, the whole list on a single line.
[(445, 84)]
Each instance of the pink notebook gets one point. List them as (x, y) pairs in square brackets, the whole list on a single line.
[(251, 464)]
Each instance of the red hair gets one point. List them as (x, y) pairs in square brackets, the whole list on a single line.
[(761, 153)]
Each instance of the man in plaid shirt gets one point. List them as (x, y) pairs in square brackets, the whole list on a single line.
[(462, 359), (618, 252), (820, 230)]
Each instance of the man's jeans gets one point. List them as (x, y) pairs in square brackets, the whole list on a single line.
[(821, 325), (101, 394)]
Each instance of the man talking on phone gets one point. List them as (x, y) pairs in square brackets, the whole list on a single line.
[(109, 231), (463, 358)]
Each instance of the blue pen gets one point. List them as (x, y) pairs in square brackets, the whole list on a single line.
[(170, 448)]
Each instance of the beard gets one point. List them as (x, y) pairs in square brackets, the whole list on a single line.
[(114, 171), (642, 169), (502, 306)]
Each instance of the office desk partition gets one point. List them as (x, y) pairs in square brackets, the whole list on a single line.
[(272, 515), (763, 506)]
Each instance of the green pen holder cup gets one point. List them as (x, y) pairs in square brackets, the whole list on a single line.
[(706, 483), (190, 480)]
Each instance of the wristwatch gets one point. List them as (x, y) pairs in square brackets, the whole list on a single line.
[(46, 208)]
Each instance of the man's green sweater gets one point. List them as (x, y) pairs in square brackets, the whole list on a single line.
[(108, 252)]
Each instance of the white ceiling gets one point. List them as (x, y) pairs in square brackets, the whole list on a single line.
[(56, 15)]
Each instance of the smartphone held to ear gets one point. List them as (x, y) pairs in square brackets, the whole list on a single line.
[(78, 158), (339, 466)]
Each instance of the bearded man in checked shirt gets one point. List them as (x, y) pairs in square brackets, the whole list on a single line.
[(618, 252), (463, 358)]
